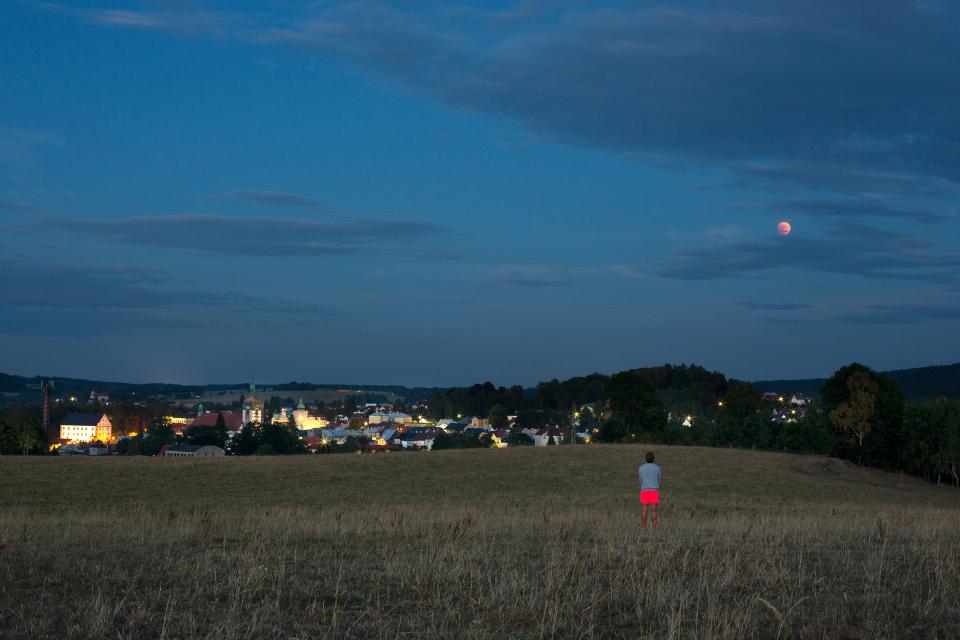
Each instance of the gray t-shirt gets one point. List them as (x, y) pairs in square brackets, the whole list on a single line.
[(649, 476)]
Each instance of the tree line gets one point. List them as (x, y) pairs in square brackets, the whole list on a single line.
[(861, 416)]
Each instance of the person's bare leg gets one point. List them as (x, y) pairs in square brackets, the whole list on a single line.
[(643, 516), (653, 515)]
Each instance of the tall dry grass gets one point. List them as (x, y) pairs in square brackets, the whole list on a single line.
[(205, 558)]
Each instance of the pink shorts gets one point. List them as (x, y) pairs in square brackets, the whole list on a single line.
[(649, 496)]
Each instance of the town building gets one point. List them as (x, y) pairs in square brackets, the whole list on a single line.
[(86, 427), (305, 421), (191, 451), (252, 408), (380, 417), (233, 421), (542, 437)]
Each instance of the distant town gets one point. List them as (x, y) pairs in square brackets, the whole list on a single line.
[(903, 420), (192, 430)]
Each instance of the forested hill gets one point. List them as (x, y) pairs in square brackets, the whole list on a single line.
[(921, 382)]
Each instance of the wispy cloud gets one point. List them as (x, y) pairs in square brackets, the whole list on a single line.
[(523, 282), (852, 208), (851, 249), (902, 314), (244, 236), (186, 20), (774, 306), (830, 104), (272, 198), (76, 299), (18, 206)]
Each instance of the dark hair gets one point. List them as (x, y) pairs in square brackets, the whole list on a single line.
[(649, 456)]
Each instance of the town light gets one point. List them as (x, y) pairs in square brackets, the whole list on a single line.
[(719, 403)]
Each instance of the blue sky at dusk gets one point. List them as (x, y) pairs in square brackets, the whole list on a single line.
[(439, 193)]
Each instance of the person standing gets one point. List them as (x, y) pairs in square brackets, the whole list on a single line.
[(649, 490)]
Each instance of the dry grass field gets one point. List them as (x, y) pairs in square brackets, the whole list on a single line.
[(519, 543)]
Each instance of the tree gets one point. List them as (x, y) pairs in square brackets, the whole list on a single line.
[(738, 422), (21, 430), (517, 438), (633, 399), (931, 439), (497, 416), (882, 436), (159, 434), (245, 441), (855, 416), (204, 435)]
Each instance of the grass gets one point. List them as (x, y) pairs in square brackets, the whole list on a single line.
[(518, 543)]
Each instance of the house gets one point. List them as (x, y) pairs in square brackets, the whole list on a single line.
[(541, 437), (180, 419), (476, 431), (416, 438), (798, 399), (233, 421), (100, 396), (380, 417), (499, 438), (771, 396), (379, 436), (476, 422), (86, 427), (339, 435), (444, 423), (191, 451)]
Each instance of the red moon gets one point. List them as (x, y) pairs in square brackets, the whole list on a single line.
[(783, 228)]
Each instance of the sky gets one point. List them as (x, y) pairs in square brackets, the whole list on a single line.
[(437, 193)]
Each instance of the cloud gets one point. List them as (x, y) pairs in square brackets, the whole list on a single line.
[(772, 88), (812, 83), (851, 249), (531, 283), (76, 299), (18, 206), (189, 21), (854, 208), (774, 306), (242, 236), (902, 314), (272, 198)]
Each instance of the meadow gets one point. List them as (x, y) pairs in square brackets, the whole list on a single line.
[(518, 543)]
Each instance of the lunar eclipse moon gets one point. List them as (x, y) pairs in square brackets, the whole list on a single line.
[(784, 228)]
